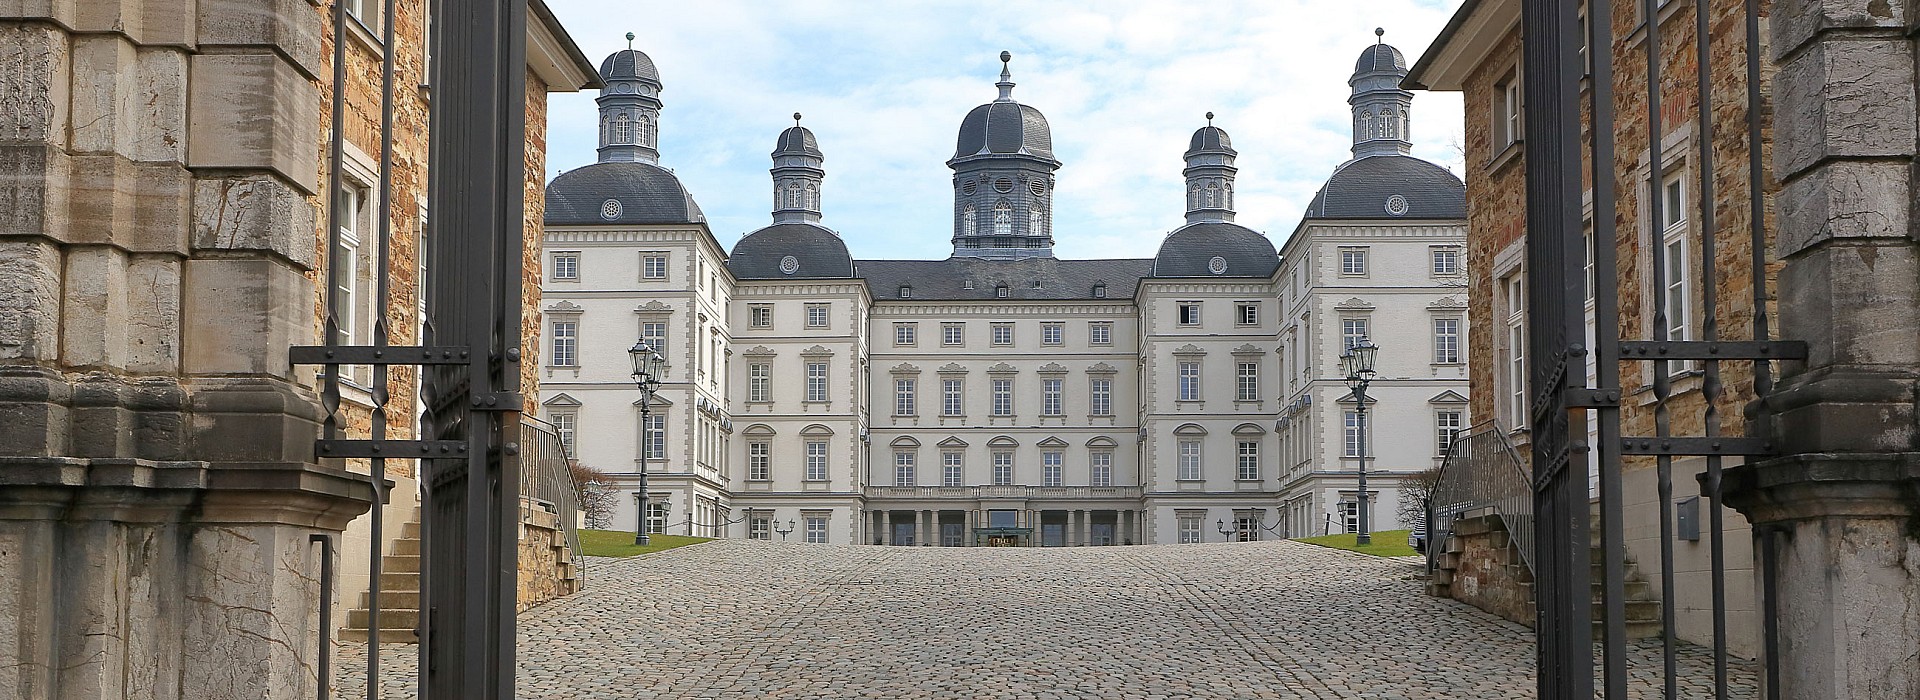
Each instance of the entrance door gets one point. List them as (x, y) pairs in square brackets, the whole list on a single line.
[(1053, 535), (951, 534), (1102, 534), (903, 535)]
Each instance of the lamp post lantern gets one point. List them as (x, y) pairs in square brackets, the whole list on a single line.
[(1358, 362), (646, 376), (783, 533), (1221, 525)]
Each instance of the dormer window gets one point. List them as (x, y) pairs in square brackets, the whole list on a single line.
[(1099, 291), (906, 291), (1000, 291)]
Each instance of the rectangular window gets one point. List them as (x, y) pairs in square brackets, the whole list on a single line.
[(1246, 527), (953, 334), (367, 12), (1446, 341), (1051, 469), (353, 209), (952, 398), (1189, 381), (566, 343), (1189, 313), (903, 469), (1100, 333), (1102, 393), (1102, 467), (655, 333), (816, 315), (1507, 112), (566, 266), (816, 460), (816, 529), (1052, 402), (1446, 426), (1352, 434), (653, 267), (1002, 468), (563, 424), (759, 382), (1190, 528), (952, 469), (656, 438), (1248, 464), (656, 516), (905, 334), (1003, 397), (1679, 274), (903, 403), (816, 381), (759, 461), (1189, 463), (1353, 261), (1247, 381), (760, 527), (1002, 333), (760, 316), (1246, 313), (1052, 333), (1515, 289), (1446, 260), (1352, 331)]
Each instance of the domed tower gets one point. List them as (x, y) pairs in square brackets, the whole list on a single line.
[(1380, 107), (629, 108), (796, 176), (1003, 179), (1210, 175)]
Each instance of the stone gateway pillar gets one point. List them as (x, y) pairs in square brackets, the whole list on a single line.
[(1837, 521)]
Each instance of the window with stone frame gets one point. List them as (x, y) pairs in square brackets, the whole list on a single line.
[(816, 315), (1352, 331), (620, 130), (1003, 218), (1002, 397), (564, 422), (1052, 402), (1188, 313), (904, 404), (566, 265), (1002, 468), (1247, 526), (653, 266), (369, 13), (1508, 111), (759, 460), (760, 527), (656, 516), (953, 334), (816, 528), (1246, 313), (1446, 341), (952, 469), (1002, 332), (1446, 427), (1052, 333), (816, 382), (903, 469), (1099, 332), (1247, 464), (1445, 260), (654, 440), (1188, 461), (1247, 381), (1352, 434), (969, 221), (906, 334), (1188, 526), (1101, 467), (1052, 468), (1189, 381), (565, 343), (759, 382), (760, 316), (1513, 360), (816, 460), (1353, 261), (1101, 392), (358, 263), (952, 397), (1678, 285)]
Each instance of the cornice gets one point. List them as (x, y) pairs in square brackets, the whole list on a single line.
[(955, 309)]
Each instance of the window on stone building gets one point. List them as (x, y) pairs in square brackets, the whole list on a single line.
[(1002, 332), (1352, 331), (1101, 468), (1052, 469), (1003, 397), (621, 131), (760, 316), (1446, 260), (816, 529), (357, 264), (1188, 313), (1036, 220), (1052, 403), (1247, 466), (953, 334), (1351, 434), (1446, 426), (1002, 468), (1101, 391), (1507, 111), (816, 460), (903, 397), (1100, 333), (1053, 333), (969, 221), (1514, 364), (368, 13), (816, 315), (760, 527), (1189, 527), (1003, 218), (816, 381), (906, 334), (654, 444), (903, 469), (1679, 282), (566, 343), (653, 266), (952, 469), (563, 425), (1189, 461), (566, 266), (1353, 261), (1246, 313), (656, 515), (952, 398), (1446, 341), (1247, 526), (1247, 381), (759, 461), (1189, 374)]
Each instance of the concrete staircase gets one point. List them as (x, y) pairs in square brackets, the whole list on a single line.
[(1503, 584), (399, 592)]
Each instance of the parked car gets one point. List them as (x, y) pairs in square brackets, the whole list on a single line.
[(1417, 538)]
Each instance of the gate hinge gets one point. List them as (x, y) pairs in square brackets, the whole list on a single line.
[(376, 355), (498, 401), (1592, 398), (1700, 446), (1713, 350), (396, 449)]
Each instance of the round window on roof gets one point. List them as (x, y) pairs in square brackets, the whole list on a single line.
[(1003, 185), (968, 188), (1397, 205), (610, 209), (789, 265), (1038, 188), (1218, 265)]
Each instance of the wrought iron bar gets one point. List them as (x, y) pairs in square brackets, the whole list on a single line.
[(1656, 243), (377, 471), (1606, 319), (336, 153), (324, 669), (1710, 330), (1758, 421)]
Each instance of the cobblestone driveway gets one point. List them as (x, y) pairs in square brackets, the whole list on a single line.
[(735, 619)]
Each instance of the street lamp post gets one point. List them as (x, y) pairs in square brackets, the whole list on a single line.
[(783, 533), (646, 376), (1358, 362), (1226, 532)]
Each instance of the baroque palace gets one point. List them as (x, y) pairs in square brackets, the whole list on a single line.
[(1003, 396)]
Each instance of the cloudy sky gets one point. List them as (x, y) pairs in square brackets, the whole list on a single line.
[(884, 86)]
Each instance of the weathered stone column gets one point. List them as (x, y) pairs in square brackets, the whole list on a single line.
[(1837, 521)]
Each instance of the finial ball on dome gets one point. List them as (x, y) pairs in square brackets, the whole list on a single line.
[(629, 36), (1006, 56), (1209, 117), (796, 118)]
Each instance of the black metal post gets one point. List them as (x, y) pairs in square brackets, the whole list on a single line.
[(646, 449), (1365, 536)]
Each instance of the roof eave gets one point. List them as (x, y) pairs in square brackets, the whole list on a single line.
[(553, 55), (1469, 36)]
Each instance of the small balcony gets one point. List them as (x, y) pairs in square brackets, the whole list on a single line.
[(963, 493)]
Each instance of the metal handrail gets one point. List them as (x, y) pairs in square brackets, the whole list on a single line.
[(547, 480), (1482, 472)]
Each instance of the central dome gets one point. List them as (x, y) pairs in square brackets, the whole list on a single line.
[(1004, 128)]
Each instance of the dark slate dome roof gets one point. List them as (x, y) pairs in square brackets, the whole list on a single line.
[(1367, 189), (629, 65), (645, 193), (1210, 139), (1198, 249), (797, 140), (816, 251), (1380, 57), (1005, 127)]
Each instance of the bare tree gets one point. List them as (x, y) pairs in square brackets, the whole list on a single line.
[(596, 492), (1415, 490)]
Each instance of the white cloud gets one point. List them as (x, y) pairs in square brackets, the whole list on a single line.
[(884, 86)]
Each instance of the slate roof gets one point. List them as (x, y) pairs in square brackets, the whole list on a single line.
[(1005, 128), (1210, 139), (629, 65), (1058, 279), (1361, 190), (648, 194), (797, 140), (1189, 251), (819, 252), (1380, 57)]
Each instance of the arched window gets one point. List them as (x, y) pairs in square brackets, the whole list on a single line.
[(1036, 220), (1213, 195), (793, 195), (1003, 218), (1227, 190), (813, 197), (968, 221), (646, 130), (1360, 126), (622, 129), (1193, 196)]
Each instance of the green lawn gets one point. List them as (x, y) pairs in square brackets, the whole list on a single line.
[(1386, 543), (614, 543)]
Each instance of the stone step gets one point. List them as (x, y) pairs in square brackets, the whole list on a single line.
[(389, 619), (1636, 629), (401, 563), (394, 600), (410, 529), (407, 546), (1439, 590), (387, 636), (399, 581)]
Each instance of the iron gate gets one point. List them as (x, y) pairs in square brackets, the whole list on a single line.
[(1562, 402), (469, 356)]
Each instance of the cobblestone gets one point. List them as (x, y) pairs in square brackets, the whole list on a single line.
[(736, 618)]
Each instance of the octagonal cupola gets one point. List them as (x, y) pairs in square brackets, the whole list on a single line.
[(1209, 174), (1003, 169), (629, 107), (1381, 109)]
